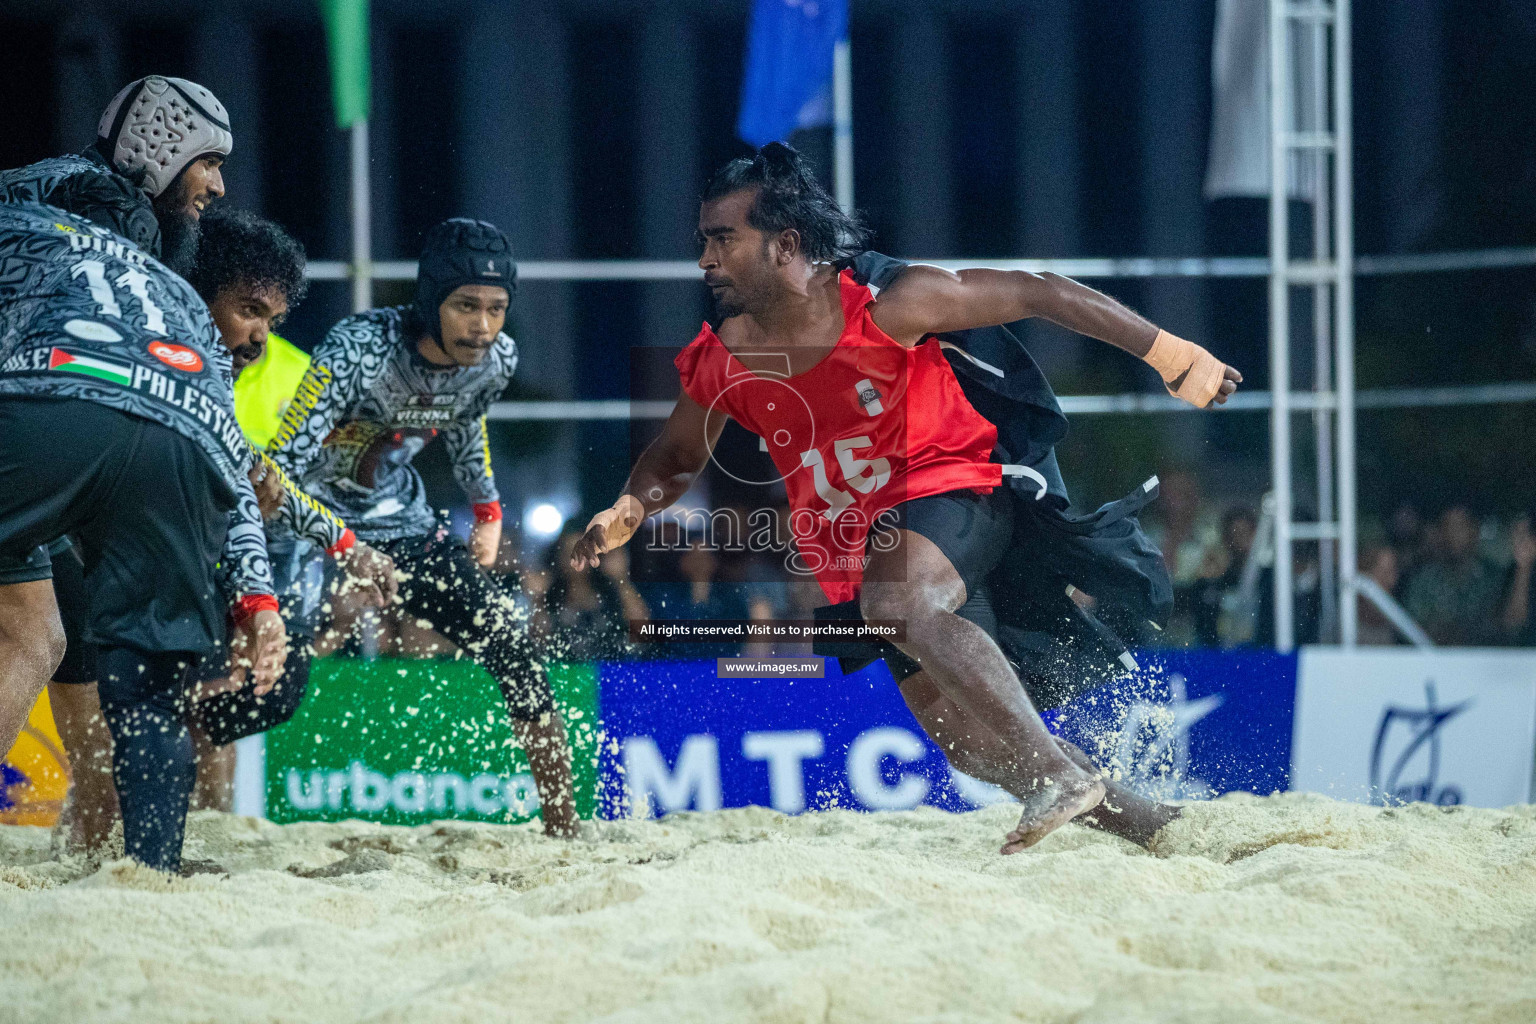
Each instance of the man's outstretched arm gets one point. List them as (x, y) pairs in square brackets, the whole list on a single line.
[(926, 300), (663, 473)]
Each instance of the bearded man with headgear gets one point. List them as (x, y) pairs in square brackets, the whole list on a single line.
[(118, 414), (168, 137), (382, 385)]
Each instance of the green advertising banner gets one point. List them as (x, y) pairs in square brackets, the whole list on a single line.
[(405, 742)]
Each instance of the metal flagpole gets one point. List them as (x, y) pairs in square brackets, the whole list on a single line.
[(362, 227), (842, 125), (1280, 317), (1344, 254), (1322, 328), (362, 296)]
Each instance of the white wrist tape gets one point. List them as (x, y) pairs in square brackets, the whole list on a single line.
[(629, 507), (1173, 357)]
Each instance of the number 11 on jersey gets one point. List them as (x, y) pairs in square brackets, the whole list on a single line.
[(134, 281)]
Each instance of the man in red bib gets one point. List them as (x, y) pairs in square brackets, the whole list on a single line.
[(889, 468)]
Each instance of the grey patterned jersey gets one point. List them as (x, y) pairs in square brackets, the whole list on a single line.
[(301, 514), (368, 404), (84, 314), (34, 182)]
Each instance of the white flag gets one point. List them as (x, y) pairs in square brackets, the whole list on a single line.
[(1239, 156)]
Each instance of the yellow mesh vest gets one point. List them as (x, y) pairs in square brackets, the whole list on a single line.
[(265, 388)]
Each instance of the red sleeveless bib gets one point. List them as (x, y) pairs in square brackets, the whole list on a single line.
[(872, 425)]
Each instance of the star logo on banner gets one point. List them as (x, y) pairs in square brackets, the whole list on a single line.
[(1152, 749)]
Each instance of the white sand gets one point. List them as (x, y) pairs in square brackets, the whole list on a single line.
[(1278, 909)]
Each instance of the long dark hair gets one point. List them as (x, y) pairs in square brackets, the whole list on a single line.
[(790, 197)]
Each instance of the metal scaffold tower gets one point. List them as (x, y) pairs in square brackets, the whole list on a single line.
[(1310, 107)]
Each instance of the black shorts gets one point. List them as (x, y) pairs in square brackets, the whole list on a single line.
[(973, 530), (1057, 648), (148, 506), (79, 664), (25, 567)]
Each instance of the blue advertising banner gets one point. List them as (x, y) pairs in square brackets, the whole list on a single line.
[(1192, 723), (676, 737)]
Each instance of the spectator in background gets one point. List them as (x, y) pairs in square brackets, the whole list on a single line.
[(1455, 594), (1406, 536), (584, 609), (706, 596), (1184, 530), (687, 586), (1518, 617), (1432, 548), (1379, 562), (1306, 583), (615, 565), (1223, 614), (1181, 525)]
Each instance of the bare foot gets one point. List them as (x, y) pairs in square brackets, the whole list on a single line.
[(81, 834), (561, 822), (1055, 804), (191, 866)]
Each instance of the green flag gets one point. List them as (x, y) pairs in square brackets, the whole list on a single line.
[(346, 30)]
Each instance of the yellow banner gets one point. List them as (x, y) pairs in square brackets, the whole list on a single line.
[(34, 777)]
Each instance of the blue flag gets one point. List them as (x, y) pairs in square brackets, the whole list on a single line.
[(788, 83)]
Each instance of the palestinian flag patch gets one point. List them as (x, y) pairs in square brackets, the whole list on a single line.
[(90, 366)]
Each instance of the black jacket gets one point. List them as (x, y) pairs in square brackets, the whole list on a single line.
[(87, 185)]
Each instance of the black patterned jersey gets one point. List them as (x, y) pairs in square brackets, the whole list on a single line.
[(34, 182), (303, 515), (368, 404), (85, 314)]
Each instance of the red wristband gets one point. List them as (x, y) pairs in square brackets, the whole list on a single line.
[(487, 511), (250, 604), (342, 546)]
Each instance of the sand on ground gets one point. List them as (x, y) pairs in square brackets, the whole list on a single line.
[(1285, 908)]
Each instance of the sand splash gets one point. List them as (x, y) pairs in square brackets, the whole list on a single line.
[(1285, 908)]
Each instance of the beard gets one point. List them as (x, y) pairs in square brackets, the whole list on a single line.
[(244, 356), (727, 305), (180, 233), (180, 230)]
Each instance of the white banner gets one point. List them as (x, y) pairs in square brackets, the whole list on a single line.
[(1238, 162), (1395, 725), (251, 776)]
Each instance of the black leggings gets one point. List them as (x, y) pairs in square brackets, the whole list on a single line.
[(236, 714), (442, 585), (153, 763)]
